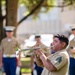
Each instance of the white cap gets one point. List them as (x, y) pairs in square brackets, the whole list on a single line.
[(73, 27), (37, 35), (9, 28)]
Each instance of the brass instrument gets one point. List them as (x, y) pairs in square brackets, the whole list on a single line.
[(30, 51)]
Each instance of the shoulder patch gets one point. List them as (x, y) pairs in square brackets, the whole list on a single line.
[(59, 59)]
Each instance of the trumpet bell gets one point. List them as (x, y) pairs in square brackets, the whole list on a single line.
[(28, 53)]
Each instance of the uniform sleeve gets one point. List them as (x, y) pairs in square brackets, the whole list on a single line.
[(1, 47), (71, 45), (18, 44), (59, 61), (18, 51)]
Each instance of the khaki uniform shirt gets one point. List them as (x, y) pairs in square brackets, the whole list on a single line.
[(71, 46), (60, 60), (9, 47)]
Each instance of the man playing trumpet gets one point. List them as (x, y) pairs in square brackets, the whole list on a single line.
[(58, 62), (35, 69)]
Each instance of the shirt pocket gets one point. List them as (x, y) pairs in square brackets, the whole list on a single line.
[(13, 45)]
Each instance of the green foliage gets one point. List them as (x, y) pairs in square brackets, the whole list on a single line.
[(31, 4), (72, 2), (25, 65), (3, 2), (26, 70)]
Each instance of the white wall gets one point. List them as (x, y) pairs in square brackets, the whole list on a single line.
[(34, 27), (47, 23), (67, 18), (54, 21)]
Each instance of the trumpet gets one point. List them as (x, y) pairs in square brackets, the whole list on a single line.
[(30, 51)]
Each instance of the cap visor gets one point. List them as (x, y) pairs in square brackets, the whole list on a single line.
[(8, 31)]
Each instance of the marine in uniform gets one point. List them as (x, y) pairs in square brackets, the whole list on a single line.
[(58, 62), (71, 51), (37, 70), (8, 48)]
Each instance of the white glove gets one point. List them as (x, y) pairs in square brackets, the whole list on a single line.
[(34, 72), (17, 70)]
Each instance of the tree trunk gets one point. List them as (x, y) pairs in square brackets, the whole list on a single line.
[(11, 11), (1, 22)]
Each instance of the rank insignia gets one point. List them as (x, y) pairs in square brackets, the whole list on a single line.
[(59, 59)]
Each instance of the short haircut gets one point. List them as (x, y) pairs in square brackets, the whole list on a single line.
[(73, 29), (37, 36), (62, 38)]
